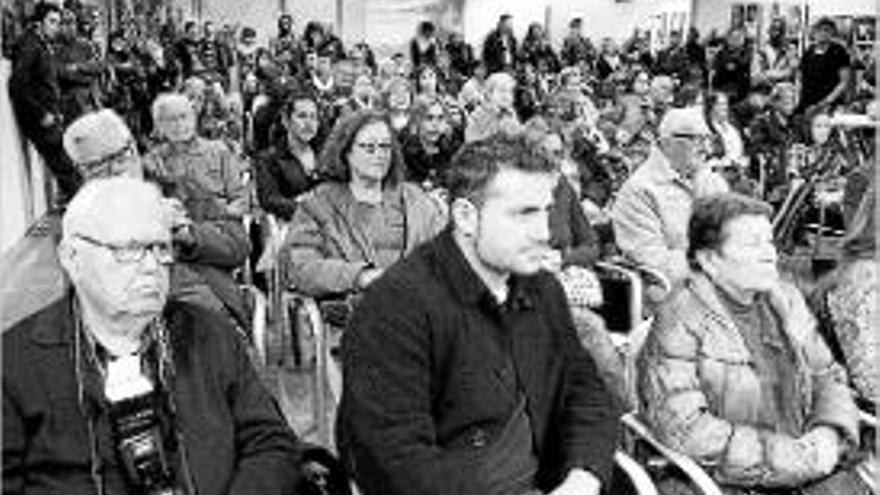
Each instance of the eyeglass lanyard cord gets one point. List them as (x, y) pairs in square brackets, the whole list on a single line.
[(166, 378)]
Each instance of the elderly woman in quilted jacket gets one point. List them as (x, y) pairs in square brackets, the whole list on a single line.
[(735, 375)]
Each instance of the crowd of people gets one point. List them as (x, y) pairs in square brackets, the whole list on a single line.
[(448, 210)]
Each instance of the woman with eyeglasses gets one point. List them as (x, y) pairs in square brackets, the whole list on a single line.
[(349, 229)]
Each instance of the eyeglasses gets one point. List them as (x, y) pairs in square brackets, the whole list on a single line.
[(134, 252), (701, 141), (372, 148), (102, 167)]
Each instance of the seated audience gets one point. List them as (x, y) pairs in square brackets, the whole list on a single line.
[(496, 114), (183, 154), (352, 227), (203, 182), (462, 370), (652, 208), (114, 389), (734, 373), (100, 145)]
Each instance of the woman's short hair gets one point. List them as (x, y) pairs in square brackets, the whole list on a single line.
[(475, 165), (710, 217), (334, 158)]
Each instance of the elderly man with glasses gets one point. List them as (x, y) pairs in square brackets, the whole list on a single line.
[(208, 242), (653, 206), (114, 388)]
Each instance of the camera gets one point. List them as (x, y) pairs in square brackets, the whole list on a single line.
[(134, 411)]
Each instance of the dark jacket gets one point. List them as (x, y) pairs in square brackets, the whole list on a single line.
[(281, 179), (235, 438), (428, 387), (570, 231), (498, 56), (33, 86)]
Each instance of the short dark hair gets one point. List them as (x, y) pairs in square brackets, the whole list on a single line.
[(709, 219), (576, 22), (43, 9), (475, 165), (826, 22), (334, 159)]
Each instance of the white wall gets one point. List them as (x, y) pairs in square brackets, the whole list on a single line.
[(481, 17), (262, 15), (610, 18)]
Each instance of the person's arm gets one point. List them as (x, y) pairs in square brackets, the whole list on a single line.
[(386, 425), (584, 250), (268, 191), (235, 190), (591, 427), (676, 408), (268, 454), (311, 269)]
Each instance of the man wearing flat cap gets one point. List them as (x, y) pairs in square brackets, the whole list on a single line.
[(113, 389), (207, 242), (653, 206), (100, 145)]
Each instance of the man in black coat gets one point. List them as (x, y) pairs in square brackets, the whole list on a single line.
[(114, 390), (36, 96), (499, 48), (463, 371)]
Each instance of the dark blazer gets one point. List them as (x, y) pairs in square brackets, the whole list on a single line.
[(428, 386), (236, 440), (33, 86)]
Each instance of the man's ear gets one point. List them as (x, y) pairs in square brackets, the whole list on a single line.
[(706, 259), (465, 216), (69, 258)]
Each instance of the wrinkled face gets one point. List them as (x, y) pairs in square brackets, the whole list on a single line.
[(433, 123), (177, 123), (304, 120), (510, 229), (746, 259), (121, 265), (370, 155), (820, 129), (686, 152), (51, 25)]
